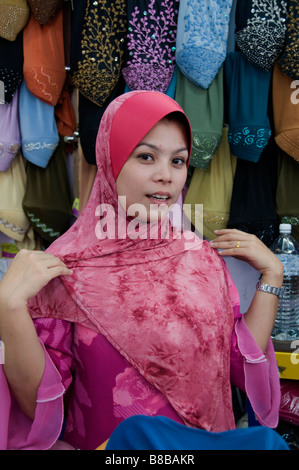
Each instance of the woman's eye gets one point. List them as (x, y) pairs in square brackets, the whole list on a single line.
[(179, 161), (145, 157)]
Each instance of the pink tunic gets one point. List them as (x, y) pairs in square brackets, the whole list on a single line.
[(105, 388)]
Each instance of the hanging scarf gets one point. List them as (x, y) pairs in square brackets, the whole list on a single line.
[(253, 201), (246, 91), (151, 41), (285, 112), (205, 111), (202, 38), (10, 138), (288, 60), (11, 67), (44, 62), (161, 302), (213, 188), (97, 47), (260, 30), (14, 15), (41, 139)]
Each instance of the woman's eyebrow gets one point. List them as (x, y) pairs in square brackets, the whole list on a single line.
[(155, 147)]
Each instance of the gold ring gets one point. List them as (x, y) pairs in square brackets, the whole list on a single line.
[(238, 245)]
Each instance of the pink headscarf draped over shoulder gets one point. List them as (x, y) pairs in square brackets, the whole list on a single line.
[(162, 302)]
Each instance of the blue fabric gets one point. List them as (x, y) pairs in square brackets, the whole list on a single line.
[(202, 35), (246, 89), (38, 128), (160, 433)]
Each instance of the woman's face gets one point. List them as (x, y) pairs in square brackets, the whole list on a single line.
[(155, 172)]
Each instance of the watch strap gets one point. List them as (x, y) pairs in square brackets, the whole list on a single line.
[(270, 289)]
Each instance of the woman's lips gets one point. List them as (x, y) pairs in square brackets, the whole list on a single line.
[(159, 197)]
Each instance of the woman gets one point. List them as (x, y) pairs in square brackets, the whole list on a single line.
[(129, 316)]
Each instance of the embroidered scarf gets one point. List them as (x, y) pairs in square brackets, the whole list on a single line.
[(288, 60), (97, 47), (260, 30), (151, 44), (202, 39), (162, 302)]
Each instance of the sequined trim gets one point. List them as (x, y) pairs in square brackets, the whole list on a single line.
[(151, 46), (38, 146), (12, 227), (214, 219), (249, 139), (262, 40), (11, 80), (8, 148), (288, 60), (203, 149), (102, 49), (290, 219), (42, 226)]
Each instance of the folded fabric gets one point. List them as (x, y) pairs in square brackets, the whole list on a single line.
[(65, 114), (13, 221), (11, 67), (289, 59), (246, 91), (44, 63), (47, 198), (253, 201), (260, 30), (202, 36), (160, 433), (151, 44), (285, 112), (14, 15), (213, 189), (38, 128), (90, 115), (97, 47), (44, 10), (10, 137), (204, 109), (287, 194)]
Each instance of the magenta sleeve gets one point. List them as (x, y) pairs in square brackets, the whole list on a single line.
[(18, 431)]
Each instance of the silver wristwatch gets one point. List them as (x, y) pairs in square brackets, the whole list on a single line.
[(270, 289)]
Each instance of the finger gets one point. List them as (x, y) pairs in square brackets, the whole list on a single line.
[(224, 243), (232, 234), (55, 271), (45, 259)]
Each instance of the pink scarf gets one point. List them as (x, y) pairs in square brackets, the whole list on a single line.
[(163, 303)]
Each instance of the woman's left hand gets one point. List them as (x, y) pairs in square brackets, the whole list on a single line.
[(249, 248)]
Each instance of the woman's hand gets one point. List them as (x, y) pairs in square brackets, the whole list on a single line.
[(261, 314), (28, 273), (249, 248)]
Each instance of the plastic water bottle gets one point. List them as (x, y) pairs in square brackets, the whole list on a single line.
[(285, 247)]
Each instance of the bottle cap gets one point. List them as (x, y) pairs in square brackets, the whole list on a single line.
[(285, 228)]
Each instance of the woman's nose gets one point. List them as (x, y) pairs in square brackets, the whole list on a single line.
[(163, 173)]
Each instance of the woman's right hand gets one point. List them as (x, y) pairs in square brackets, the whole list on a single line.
[(28, 273)]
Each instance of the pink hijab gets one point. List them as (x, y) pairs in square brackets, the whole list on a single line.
[(162, 303)]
